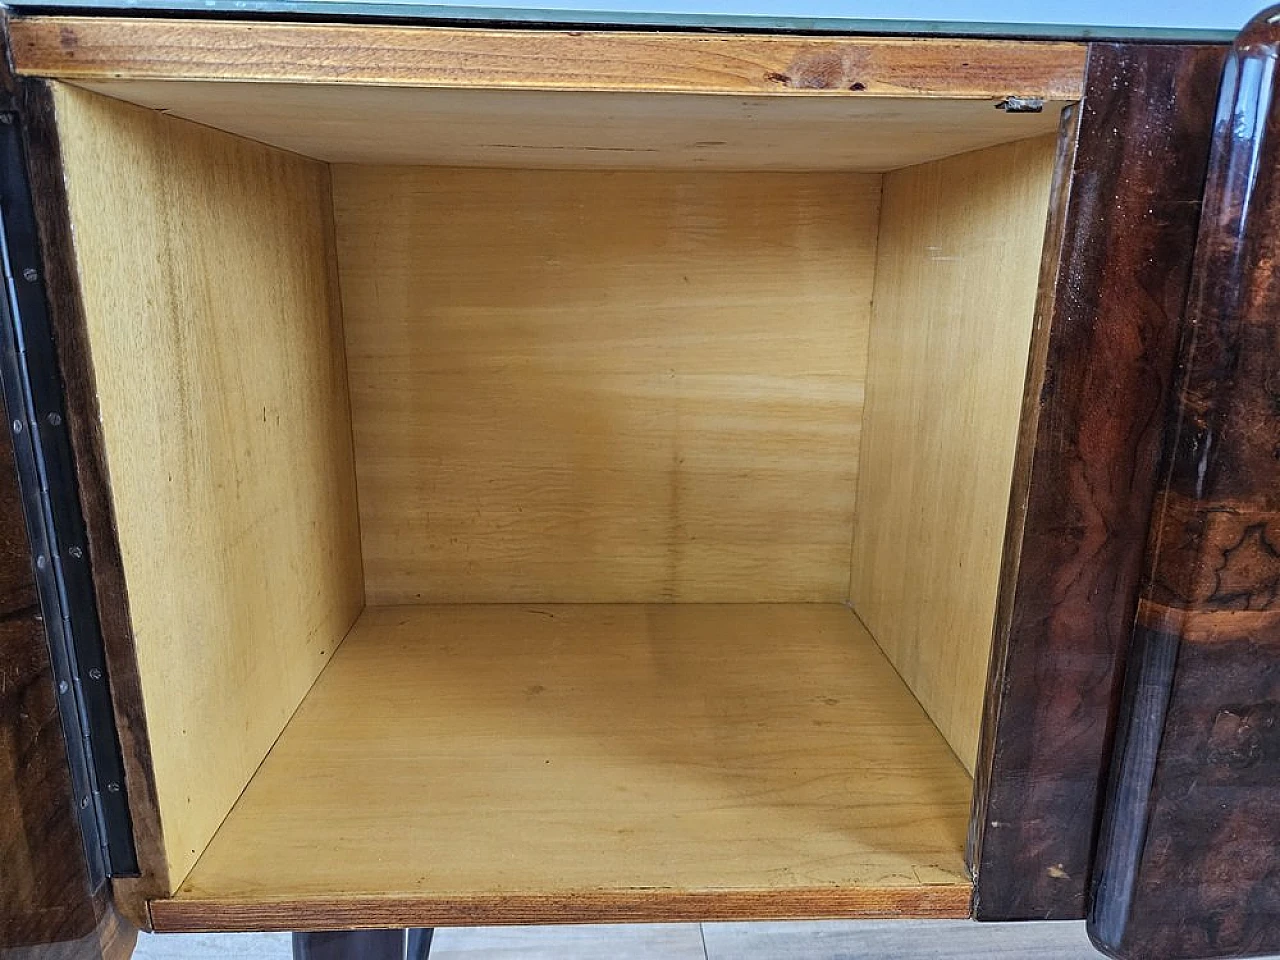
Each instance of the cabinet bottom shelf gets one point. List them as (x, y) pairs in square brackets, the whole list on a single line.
[(458, 765)]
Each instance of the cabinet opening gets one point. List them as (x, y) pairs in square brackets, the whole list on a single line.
[(531, 511)]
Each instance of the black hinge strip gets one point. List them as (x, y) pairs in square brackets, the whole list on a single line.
[(33, 396)]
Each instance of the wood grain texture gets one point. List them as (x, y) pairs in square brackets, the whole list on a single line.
[(560, 763), (49, 909), (940, 902), (1187, 864), (45, 891), (66, 315), (113, 938), (586, 130), (205, 271), (1086, 472), (956, 277), (617, 387), (101, 48)]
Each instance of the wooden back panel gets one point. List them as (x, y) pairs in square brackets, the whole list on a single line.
[(598, 386), (205, 266)]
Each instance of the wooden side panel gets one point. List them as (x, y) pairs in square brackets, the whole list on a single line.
[(205, 269), (1187, 862), (49, 907), (588, 386), (567, 763), (172, 49), (955, 294), (1103, 358), (66, 313)]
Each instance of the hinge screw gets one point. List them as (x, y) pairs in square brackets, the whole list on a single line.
[(76, 552), (17, 426), (95, 673), (63, 686), (30, 275), (113, 787), (6, 118), (55, 419), (41, 562), (84, 803)]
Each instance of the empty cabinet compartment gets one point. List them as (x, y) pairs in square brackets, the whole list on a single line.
[(545, 505)]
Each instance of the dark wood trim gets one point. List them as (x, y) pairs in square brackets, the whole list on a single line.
[(113, 938), (1188, 863), (1101, 372), (44, 160)]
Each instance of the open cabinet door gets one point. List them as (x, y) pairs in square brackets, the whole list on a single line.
[(1189, 856), (55, 901), (53, 904)]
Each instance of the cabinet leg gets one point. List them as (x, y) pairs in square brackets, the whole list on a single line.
[(419, 944), (363, 945)]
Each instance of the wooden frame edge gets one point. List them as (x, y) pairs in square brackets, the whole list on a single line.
[(937, 901), (115, 48), (1077, 539)]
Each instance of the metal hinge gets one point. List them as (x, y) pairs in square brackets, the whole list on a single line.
[(1021, 105), (32, 391)]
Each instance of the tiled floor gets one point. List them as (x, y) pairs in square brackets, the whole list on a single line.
[(899, 940)]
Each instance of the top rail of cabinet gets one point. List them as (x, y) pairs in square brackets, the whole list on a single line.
[(116, 48), (1214, 26)]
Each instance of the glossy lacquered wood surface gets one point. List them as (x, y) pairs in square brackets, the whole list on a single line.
[(1117, 264), (1188, 862)]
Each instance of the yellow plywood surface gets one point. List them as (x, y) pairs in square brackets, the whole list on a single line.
[(508, 763), (216, 341), (346, 123), (956, 283), (592, 386)]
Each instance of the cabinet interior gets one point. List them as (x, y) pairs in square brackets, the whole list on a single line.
[(549, 506)]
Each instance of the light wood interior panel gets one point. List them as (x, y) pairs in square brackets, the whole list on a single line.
[(490, 764), (956, 280), (208, 288), (594, 386), (588, 129)]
